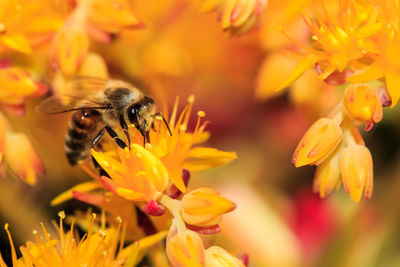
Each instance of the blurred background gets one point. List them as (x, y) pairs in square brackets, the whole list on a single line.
[(279, 221)]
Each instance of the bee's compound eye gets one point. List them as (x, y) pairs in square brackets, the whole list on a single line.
[(132, 114)]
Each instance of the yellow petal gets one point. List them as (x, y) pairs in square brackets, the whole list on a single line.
[(22, 158), (303, 65), (129, 194), (327, 176), (210, 153), (205, 164), (219, 257), (17, 42), (156, 172), (357, 171), (393, 85), (274, 69), (185, 249), (360, 103), (204, 206), (318, 142), (67, 195), (371, 72)]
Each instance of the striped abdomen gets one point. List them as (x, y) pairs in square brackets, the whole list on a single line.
[(83, 128)]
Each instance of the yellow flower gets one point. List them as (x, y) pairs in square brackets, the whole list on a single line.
[(138, 175), (103, 247), (176, 150), (219, 257), (341, 36), (204, 206), (361, 104), (318, 142), (237, 16), (185, 249), (357, 173), (24, 24)]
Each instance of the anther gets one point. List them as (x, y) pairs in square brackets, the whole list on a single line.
[(182, 127), (61, 214)]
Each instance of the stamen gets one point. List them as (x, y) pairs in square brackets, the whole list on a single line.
[(13, 253), (61, 214), (183, 127)]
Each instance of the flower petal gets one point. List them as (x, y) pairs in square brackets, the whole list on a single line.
[(67, 195), (17, 42)]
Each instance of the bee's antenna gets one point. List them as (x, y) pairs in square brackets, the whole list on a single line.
[(165, 122)]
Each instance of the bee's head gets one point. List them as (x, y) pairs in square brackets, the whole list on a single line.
[(140, 114)]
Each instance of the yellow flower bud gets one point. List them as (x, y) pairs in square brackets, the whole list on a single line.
[(219, 257), (185, 249), (318, 142), (357, 171), (362, 104), (327, 176), (204, 206)]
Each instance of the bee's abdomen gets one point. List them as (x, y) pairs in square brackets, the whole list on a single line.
[(82, 129)]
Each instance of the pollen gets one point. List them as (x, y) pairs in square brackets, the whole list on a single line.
[(61, 214), (183, 127), (201, 114)]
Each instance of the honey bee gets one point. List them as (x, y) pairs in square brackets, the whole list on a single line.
[(100, 106)]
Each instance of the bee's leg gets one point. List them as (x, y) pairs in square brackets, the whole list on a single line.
[(114, 136), (164, 120), (102, 172), (125, 128), (144, 134), (97, 138)]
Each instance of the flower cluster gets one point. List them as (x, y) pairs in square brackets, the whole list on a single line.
[(335, 145), (149, 180), (354, 43), (100, 247)]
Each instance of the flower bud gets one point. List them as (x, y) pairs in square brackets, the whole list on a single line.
[(204, 206), (357, 171), (318, 142), (22, 158), (327, 176), (362, 104), (185, 249), (218, 257), (70, 47)]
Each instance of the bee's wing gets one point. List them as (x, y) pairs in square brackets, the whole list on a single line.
[(80, 93)]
